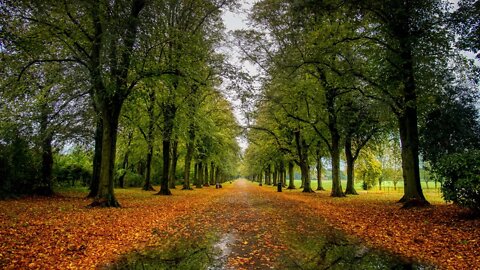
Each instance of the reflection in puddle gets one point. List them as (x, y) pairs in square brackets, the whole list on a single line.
[(223, 247)]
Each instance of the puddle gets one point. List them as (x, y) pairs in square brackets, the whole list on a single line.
[(224, 249), (334, 250)]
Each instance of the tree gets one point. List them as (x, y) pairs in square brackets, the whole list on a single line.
[(414, 45), (466, 22)]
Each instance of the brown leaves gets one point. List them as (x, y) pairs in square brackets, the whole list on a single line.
[(437, 235), (60, 233)]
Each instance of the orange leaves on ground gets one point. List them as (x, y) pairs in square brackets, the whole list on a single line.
[(441, 234), (60, 233)]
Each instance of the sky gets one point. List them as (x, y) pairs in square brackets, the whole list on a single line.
[(237, 20)]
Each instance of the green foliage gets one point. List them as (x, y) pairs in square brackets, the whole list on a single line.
[(466, 21), (456, 110), (368, 170), (19, 164), (72, 167), (462, 178), (133, 179)]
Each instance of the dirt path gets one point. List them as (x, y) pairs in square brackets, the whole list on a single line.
[(266, 231)]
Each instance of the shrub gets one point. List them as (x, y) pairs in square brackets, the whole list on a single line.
[(462, 178), (134, 179)]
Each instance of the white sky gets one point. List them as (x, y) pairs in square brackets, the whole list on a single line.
[(237, 20)]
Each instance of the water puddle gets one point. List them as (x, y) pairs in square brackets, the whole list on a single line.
[(224, 249)]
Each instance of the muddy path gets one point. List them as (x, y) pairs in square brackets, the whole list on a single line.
[(267, 231), (257, 228)]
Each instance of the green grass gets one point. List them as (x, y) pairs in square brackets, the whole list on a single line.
[(388, 191)]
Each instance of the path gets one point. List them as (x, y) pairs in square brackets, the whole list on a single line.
[(266, 231)]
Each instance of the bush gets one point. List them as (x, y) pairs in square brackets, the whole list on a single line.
[(19, 166), (70, 173), (462, 178), (134, 179), (73, 166)]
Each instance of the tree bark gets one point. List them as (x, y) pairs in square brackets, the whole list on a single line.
[(408, 119), (148, 186), (164, 190), (413, 194), (174, 164), (150, 138), (195, 174), (199, 182), (97, 157), (45, 187), (217, 175), (105, 196), (335, 152), (121, 179), (350, 167), (319, 171), (282, 173), (302, 149), (291, 175), (260, 179), (169, 111), (188, 157), (206, 179), (275, 175), (335, 144), (212, 173)]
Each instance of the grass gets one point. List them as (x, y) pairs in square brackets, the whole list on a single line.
[(388, 192)]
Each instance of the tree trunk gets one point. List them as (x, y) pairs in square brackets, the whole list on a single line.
[(260, 178), (335, 148), (413, 194), (291, 175), (169, 111), (150, 138), (205, 182), (408, 122), (282, 173), (267, 175), (212, 173), (164, 190), (319, 171), (350, 167), (148, 186), (45, 187), (105, 196), (174, 164), (121, 179), (97, 157), (302, 149), (217, 175), (199, 182), (189, 156), (335, 152), (195, 174), (275, 175), (186, 172)]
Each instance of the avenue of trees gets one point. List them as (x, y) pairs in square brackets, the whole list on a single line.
[(113, 93), (372, 85), (127, 93)]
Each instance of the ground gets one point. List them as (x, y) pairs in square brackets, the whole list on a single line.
[(241, 226)]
